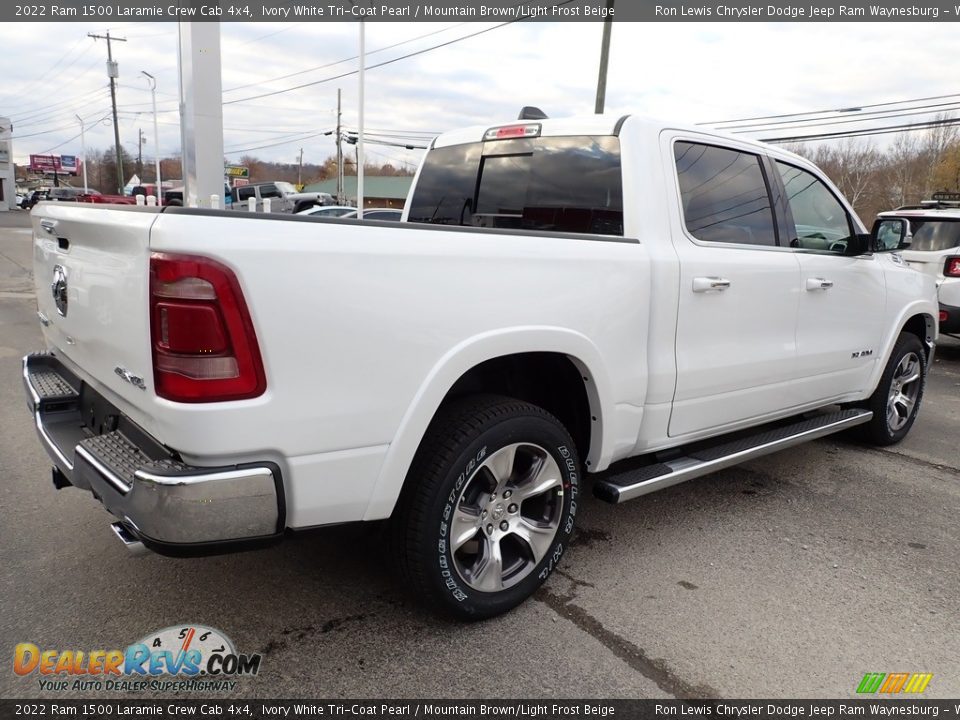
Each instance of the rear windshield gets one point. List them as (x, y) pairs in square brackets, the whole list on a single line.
[(562, 184), (934, 235)]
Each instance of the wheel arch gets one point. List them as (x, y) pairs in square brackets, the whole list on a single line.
[(918, 319), (500, 362)]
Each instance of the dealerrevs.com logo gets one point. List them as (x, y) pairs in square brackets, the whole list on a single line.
[(177, 658)]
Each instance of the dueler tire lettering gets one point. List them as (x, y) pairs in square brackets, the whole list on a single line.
[(488, 506)]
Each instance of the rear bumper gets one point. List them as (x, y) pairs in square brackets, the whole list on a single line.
[(171, 507)]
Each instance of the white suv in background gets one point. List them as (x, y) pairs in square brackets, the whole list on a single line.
[(933, 247)]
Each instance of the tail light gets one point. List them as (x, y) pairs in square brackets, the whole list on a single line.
[(204, 345), (943, 316), (951, 268)]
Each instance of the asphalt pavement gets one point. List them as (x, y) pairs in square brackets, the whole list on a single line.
[(788, 577)]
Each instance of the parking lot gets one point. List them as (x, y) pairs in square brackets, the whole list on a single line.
[(790, 576)]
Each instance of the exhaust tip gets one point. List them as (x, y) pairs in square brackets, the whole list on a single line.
[(129, 540)]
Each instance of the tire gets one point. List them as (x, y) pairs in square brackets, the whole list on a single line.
[(897, 398), (459, 509)]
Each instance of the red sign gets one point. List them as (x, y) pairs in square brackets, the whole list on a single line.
[(54, 163)]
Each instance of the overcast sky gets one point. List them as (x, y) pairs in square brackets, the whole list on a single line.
[(690, 72)]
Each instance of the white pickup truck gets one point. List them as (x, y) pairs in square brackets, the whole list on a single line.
[(636, 301)]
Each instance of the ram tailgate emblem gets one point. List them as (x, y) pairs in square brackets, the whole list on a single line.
[(59, 289)]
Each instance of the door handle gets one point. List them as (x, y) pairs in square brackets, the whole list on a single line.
[(816, 283), (710, 284)]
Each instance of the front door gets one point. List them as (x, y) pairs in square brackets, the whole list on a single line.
[(840, 323)]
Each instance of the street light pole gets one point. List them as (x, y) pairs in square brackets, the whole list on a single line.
[(156, 135), (361, 158), (83, 151)]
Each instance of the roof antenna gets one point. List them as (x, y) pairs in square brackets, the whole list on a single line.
[(529, 112)]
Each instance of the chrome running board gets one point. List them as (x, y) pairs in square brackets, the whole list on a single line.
[(630, 484)]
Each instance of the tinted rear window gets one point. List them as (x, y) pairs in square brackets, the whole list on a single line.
[(934, 235), (566, 184)]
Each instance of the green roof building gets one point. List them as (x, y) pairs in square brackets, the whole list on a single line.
[(378, 190)]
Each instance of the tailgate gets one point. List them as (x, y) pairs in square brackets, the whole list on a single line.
[(91, 269), (930, 263)]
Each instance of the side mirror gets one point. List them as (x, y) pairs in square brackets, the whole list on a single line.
[(891, 234), (859, 244)]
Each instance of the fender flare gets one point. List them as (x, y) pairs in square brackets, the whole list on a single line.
[(919, 308), (461, 359)]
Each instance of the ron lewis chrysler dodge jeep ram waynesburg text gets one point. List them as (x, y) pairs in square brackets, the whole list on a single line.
[(623, 298)]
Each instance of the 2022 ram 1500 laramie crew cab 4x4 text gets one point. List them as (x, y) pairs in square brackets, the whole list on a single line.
[(639, 301)]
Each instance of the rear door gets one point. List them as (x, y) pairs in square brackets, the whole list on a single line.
[(735, 338), (91, 271)]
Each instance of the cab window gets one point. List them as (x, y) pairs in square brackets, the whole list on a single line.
[(724, 195), (817, 220)]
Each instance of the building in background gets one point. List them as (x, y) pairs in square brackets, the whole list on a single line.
[(8, 188), (378, 190)]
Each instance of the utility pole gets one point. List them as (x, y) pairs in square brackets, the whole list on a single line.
[(113, 73), (140, 154), (340, 198), (300, 170), (83, 149), (604, 56)]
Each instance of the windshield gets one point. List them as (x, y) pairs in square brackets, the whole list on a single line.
[(285, 187), (934, 235)]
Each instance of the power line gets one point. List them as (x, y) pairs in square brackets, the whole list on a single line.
[(23, 87), (336, 62), (71, 139), (33, 107), (285, 142), (61, 112), (909, 127), (388, 62), (876, 115), (832, 110), (47, 132)]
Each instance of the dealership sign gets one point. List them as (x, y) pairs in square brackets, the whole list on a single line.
[(54, 163)]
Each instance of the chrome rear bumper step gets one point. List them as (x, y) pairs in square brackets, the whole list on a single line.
[(130, 541), (703, 459)]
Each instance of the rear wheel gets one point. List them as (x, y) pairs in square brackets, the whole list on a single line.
[(896, 400), (488, 508)]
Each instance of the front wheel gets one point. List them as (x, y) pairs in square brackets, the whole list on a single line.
[(896, 400), (488, 507)]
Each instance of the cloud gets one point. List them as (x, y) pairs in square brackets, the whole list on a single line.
[(688, 71)]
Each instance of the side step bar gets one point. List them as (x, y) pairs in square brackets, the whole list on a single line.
[(633, 483)]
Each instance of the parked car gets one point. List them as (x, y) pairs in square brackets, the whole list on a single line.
[(328, 210), (19, 199), (67, 194), (933, 247), (35, 197), (377, 214), (283, 196), (611, 297)]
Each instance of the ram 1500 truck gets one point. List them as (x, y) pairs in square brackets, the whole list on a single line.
[(626, 299)]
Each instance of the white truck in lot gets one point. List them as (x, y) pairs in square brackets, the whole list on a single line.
[(626, 299)]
